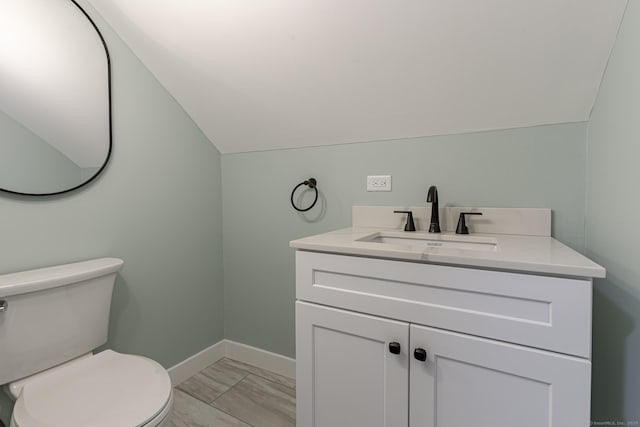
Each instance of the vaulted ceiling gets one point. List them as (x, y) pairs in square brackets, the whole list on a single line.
[(292, 73)]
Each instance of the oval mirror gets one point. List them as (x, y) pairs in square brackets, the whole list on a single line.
[(55, 106)]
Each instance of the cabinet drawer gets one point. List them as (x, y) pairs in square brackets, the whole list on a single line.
[(539, 311)]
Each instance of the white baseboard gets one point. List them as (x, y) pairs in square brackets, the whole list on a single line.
[(273, 362), (196, 363)]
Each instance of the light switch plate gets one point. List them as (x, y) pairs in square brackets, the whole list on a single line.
[(379, 183)]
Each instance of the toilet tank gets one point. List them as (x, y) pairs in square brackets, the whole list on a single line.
[(54, 314)]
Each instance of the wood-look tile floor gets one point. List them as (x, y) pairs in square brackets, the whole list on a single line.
[(232, 393)]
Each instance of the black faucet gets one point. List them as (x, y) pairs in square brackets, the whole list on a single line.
[(410, 225), (432, 197)]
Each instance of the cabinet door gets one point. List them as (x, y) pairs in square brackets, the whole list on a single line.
[(469, 381), (345, 372)]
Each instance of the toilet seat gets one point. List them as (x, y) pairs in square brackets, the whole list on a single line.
[(106, 390)]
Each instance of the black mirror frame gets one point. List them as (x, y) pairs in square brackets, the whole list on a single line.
[(110, 127)]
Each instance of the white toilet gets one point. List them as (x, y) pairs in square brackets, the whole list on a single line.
[(51, 320)]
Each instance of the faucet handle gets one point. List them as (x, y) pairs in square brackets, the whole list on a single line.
[(409, 226), (462, 225)]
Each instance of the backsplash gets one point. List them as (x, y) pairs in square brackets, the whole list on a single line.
[(522, 221)]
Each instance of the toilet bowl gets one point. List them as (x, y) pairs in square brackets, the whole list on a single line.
[(108, 389), (51, 321)]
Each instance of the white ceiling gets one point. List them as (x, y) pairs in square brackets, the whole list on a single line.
[(292, 73)]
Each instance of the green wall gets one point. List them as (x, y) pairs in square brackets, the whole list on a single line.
[(157, 206), (531, 167), (613, 235)]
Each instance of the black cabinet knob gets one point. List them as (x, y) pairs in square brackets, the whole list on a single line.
[(394, 347), (420, 354)]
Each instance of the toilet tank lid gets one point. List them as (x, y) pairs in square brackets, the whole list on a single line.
[(59, 275), (105, 390)]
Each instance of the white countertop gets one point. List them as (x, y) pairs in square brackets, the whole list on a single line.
[(534, 254)]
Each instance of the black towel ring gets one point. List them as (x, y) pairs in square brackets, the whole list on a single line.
[(311, 183)]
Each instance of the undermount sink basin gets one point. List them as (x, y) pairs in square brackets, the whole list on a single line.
[(422, 241)]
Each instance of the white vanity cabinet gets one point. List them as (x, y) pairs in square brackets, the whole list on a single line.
[(501, 349), (346, 375)]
